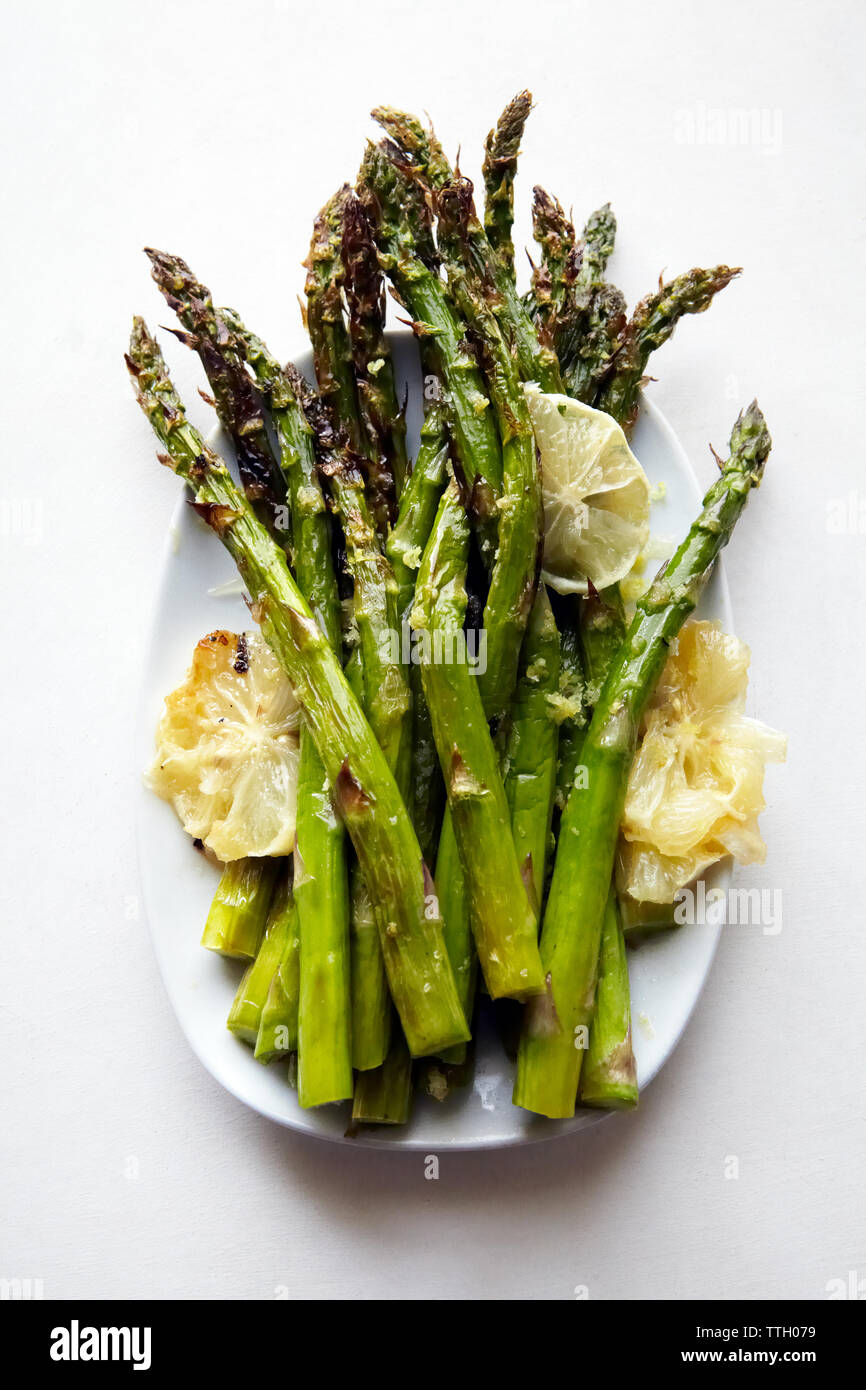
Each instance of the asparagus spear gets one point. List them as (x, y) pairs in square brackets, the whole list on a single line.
[(551, 1052), (418, 507), (332, 352), (363, 788), (239, 410), (641, 920), (570, 702), (385, 700), (602, 632), (283, 390), (597, 320), (278, 1025), (417, 514), (453, 893), (404, 547), (384, 1096), (322, 897), (374, 367), (382, 694), (375, 590), (237, 404), (502, 920), (599, 235), (352, 1006), (371, 1003), (246, 1011), (609, 1077), (400, 221), (582, 314), (239, 910), (651, 324), (512, 583), (501, 150), (554, 278), (531, 755), (425, 161), (321, 893)]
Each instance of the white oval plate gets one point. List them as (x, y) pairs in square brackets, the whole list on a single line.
[(667, 974)]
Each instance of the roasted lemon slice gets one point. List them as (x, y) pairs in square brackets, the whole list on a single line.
[(227, 749), (596, 495), (696, 785)]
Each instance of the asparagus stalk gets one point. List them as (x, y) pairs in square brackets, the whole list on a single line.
[(363, 788), (641, 920), (602, 632), (453, 893), (237, 403), (531, 757), (246, 1011), (651, 324), (425, 160), (385, 700), (354, 1006), (400, 221), (512, 583), (501, 150), (384, 1096), (418, 507), (374, 367), (417, 515), (609, 1076), (278, 1025), (570, 703), (384, 694), (321, 892), (551, 1048), (405, 544), (239, 910), (371, 1002), (322, 897), (503, 922)]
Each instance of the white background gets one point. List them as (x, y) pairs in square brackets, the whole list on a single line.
[(216, 130)]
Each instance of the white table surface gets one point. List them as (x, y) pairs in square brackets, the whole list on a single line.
[(217, 129)]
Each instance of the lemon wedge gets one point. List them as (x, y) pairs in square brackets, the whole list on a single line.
[(696, 784), (596, 495), (227, 749)]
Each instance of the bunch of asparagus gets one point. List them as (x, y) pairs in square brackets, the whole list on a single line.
[(456, 830)]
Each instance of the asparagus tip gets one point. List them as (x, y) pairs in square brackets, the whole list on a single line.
[(502, 144), (750, 439)]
